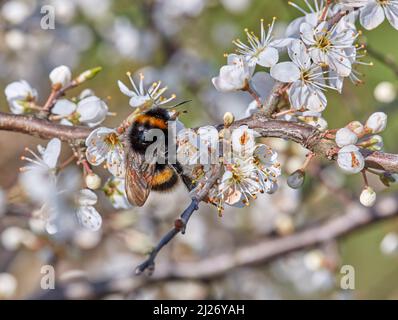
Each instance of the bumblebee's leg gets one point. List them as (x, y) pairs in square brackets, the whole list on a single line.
[(185, 179)]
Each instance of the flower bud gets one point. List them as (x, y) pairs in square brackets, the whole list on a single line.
[(273, 188), (389, 244), (93, 181), (368, 197), (345, 137), (229, 119), (321, 124), (61, 76), (314, 260), (284, 225), (8, 286), (385, 92), (296, 179), (88, 74), (376, 123), (356, 127), (388, 178), (350, 159), (374, 143)]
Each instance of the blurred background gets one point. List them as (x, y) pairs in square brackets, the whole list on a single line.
[(183, 43)]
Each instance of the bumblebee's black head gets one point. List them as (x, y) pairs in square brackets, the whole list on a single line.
[(159, 113), (155, 118)]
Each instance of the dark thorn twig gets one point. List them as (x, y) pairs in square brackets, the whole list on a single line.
[(179, 226)]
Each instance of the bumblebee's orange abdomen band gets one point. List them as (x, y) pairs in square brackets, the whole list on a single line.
[(151, 121), (164, 179), (163, 176)]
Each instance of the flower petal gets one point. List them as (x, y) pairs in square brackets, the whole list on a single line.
[(299, 54), (391, 12), (123, 88), (51, 154), (89, 218), (263, 84), (350, 159), (268, 57), (115, 162), (87, 197), (285, 72), (372, 15), (63, 107)]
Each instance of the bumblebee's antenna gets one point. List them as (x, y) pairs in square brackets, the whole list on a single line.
[(179, 104)]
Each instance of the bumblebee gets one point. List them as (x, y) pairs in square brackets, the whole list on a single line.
[(143, 176)]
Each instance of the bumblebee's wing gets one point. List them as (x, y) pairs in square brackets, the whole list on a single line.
[(138, 178)]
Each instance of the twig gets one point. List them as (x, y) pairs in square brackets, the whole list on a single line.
[(263, 251), (255, 95), (56, 93), (272, 100), (180, 224), (385, 59)]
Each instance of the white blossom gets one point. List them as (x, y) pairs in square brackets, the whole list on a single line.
[(389, 244), (12, 238), (93, 181), (267, 168), (316, 121), (312, 14), (310, 117), (188, 147), (41, 171), (261, 51), (104, 144), (330, 47), (142, 97), (114, 189), (244, 178), (356, 127), (8, 286), (86, 214), (17, 93), (375, 11), (345, 137), (350, 159), (385, 92), (238, 183), (376, 123), (368, 197), (243, 141), (61, 76), (90, 111), (233, 76), (307, 81)]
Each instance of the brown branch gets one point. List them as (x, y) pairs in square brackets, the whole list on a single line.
[(264, 251), (41, 128), (354, 219), (306, 135)]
